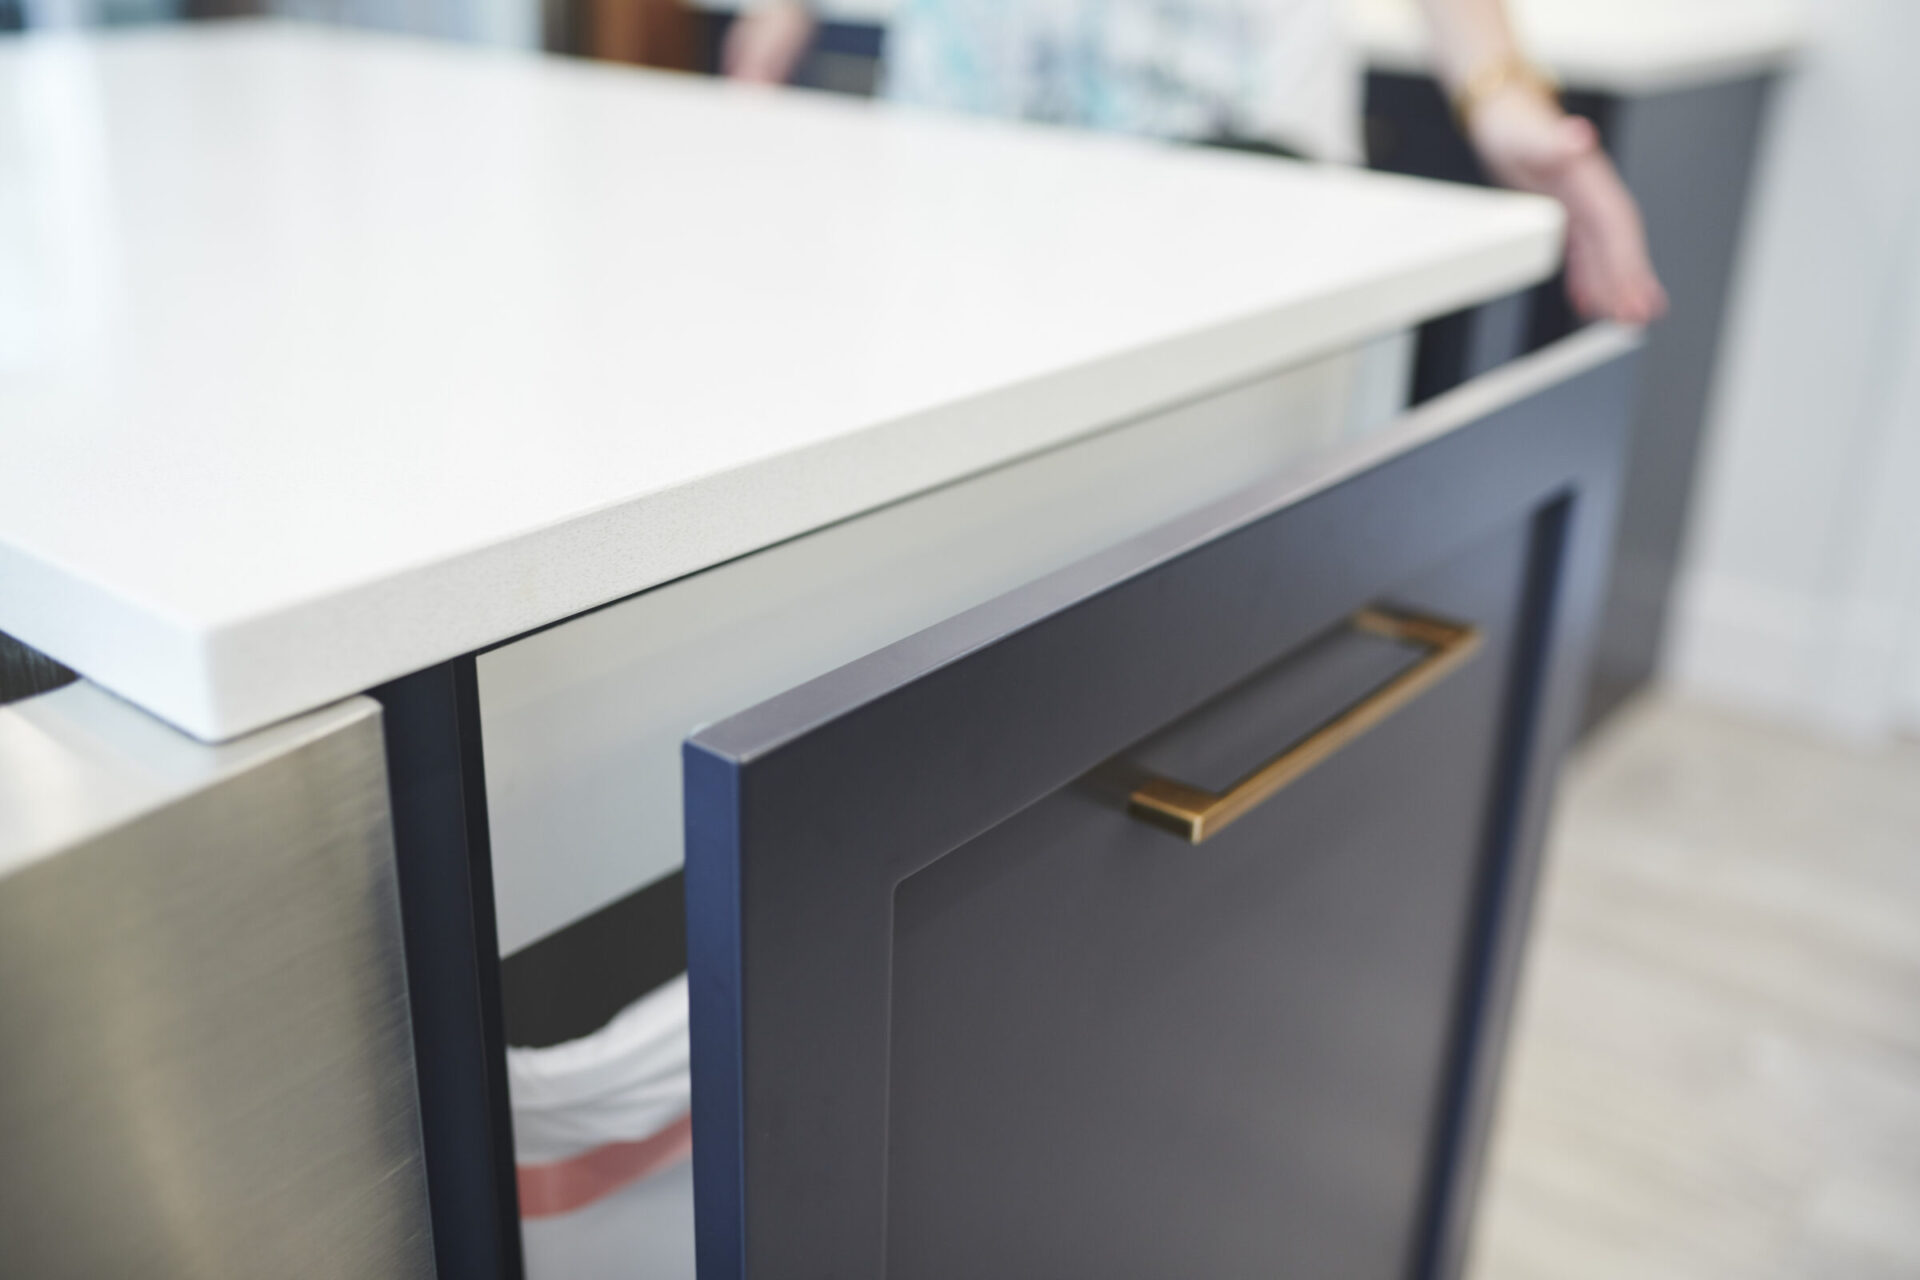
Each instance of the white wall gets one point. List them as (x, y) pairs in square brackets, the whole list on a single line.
[(1801, 591)]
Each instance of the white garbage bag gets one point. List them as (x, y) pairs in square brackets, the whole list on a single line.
[(594, 1114)]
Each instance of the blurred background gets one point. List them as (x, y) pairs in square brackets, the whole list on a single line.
[(1717, 1071)]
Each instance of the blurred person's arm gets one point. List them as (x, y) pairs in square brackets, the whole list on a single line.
[(766, 41), (1514, 120)]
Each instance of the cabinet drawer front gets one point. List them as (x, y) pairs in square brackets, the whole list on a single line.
[(1114, 1054), (937, 967)]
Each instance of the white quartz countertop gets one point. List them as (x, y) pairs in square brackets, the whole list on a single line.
[(1614, 46), (325, 357)]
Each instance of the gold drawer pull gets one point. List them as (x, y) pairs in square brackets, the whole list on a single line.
[(1198, 814)]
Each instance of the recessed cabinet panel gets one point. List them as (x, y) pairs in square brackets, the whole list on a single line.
[(1116, 1054), (1159, 918)]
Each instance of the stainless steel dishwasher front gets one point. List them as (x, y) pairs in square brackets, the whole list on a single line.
[(206, 1066)]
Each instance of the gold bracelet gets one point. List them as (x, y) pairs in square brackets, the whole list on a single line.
[(1496, 77)]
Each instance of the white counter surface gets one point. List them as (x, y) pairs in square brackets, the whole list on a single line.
[(326, 357), (1613, 46)]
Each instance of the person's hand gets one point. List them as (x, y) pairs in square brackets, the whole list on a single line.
[(1526, 141), (765, 43)]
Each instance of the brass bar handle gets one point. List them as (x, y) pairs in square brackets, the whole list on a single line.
[(1199, 814)]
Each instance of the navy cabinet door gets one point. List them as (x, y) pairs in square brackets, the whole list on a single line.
[(966, 1001)]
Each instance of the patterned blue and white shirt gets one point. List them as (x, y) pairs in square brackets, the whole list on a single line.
[(1273, 71)]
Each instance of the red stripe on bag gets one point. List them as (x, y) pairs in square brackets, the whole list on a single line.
[(577, 1181)]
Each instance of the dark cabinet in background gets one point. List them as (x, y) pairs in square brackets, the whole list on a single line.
[(1687, 153)]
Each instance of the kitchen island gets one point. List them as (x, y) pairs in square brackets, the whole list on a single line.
[(903, 523)]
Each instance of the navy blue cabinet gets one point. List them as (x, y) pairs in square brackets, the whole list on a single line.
[(971, 997)]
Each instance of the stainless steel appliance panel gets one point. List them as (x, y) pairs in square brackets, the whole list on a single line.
[(205, 1061)]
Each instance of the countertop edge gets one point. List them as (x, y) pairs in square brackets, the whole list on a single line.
[(232, 678), (1598, 76)]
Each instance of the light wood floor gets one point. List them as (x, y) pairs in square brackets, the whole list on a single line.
[(1716, 1069)]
